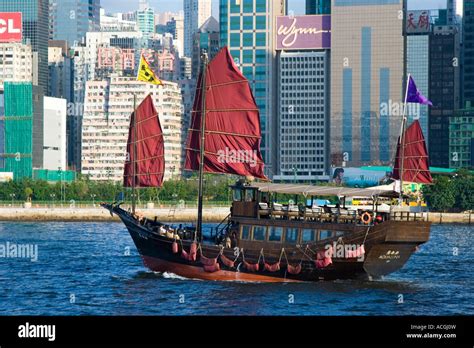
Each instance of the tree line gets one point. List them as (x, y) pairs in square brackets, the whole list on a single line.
[(85, 190), (451, 193), (447, 193)]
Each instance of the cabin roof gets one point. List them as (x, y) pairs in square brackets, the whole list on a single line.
[(310, 190)]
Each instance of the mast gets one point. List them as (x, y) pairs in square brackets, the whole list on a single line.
[(402, 140), (134, 149), (204, 59)]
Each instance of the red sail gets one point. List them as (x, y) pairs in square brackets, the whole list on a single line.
[(149, 162), (232, 124), (416, 162)]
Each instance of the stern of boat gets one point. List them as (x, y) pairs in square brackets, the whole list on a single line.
[(402, 239)]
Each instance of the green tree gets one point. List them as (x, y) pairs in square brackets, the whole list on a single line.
[(28, 193), (440, 196)]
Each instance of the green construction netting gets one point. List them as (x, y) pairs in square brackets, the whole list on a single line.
[(18, 129)]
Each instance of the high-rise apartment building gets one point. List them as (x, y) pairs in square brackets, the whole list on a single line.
[(146, 21), (196, 12), (16, 63), (105, 127)]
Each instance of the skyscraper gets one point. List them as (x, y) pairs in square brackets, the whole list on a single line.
[(196, 12), (246, 27), (35, 16), (468, 53), (367, 69), (443, 91), (175, 26), (70, 20), (146, 21), (35, 32), (418, 29), (318, 7), (206, 38)]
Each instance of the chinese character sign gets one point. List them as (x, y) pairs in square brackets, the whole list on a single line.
[(418, 22)]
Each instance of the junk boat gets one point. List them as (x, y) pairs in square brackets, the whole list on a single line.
[(261, 240)]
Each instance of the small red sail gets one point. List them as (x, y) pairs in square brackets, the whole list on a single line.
[(149, 162), (232, 124), (416, 166)]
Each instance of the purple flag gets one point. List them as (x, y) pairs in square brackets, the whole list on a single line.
[(415, 96)]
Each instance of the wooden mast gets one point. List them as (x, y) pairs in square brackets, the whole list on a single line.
[(204, 59), (134, 149)]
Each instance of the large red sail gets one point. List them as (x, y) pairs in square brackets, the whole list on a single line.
[(415, 157), (232, 123), (149, 162)]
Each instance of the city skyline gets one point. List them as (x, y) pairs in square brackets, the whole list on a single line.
[(298, 6)]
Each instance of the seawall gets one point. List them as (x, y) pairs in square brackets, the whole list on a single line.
[(101, 214), (210, 214)]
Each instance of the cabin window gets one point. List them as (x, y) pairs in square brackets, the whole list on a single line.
[(324, 234), (250, 195), (245, 232), (291, 235), (275, 234), (307, 236), (259, 232), (237, 195)]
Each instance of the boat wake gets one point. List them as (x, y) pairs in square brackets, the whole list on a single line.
[(169, 275)]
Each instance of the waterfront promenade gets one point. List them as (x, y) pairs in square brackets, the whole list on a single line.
[(168, 214), (91, 213)]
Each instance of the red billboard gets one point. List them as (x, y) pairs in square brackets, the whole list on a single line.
[(11, 27)]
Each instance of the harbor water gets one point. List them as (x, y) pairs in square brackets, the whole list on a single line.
[(76, 268)]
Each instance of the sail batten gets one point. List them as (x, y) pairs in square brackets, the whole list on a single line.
[(145, 164), (415, 166), (232, 122)]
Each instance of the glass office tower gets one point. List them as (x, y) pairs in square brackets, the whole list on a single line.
[(246, 27), (367, 69)]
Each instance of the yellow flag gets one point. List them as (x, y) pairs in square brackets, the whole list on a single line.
[(145, 73)]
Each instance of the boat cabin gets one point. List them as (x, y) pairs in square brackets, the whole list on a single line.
[(260, 201)]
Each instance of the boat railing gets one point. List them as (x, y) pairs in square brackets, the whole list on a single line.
[(317, 214), (221, 228), (407, 216), (336, 215)]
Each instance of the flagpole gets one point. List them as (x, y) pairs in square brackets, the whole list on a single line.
[(402, 140)]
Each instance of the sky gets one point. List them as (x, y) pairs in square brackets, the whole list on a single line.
[(296, 5)]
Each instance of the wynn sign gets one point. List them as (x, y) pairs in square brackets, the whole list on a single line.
[(10, 27), (303, 32)]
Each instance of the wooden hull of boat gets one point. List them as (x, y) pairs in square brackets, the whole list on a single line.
[(383, 256)]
